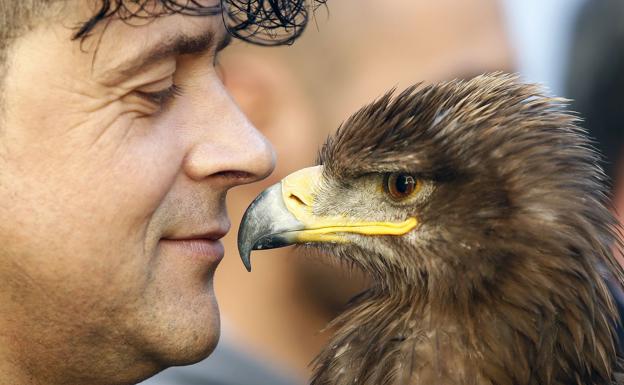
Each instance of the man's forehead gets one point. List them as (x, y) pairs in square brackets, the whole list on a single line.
[(124, 46)]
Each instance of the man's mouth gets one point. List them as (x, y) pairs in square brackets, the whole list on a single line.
[(205, 245)]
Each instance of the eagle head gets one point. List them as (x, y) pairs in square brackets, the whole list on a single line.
[(478, 209)]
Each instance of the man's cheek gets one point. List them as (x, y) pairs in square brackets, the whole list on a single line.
[(145, 172)]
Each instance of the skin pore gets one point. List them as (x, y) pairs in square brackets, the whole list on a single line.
[(107, 170)]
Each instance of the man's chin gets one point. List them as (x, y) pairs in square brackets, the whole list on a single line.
[(173, 334), (182, 333), (188, 351), (182, 352)]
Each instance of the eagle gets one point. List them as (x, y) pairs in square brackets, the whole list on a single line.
[(478, 209)]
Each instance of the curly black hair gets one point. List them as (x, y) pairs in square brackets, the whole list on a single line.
[(261, 22)]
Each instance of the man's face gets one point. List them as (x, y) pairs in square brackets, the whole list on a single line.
[(115, 158)]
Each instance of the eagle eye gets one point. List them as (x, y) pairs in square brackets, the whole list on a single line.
[(401, 185)]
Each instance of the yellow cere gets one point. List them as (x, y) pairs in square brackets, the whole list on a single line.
[(298, 191)]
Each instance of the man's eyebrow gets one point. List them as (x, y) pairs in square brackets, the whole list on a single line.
[(178, 45)]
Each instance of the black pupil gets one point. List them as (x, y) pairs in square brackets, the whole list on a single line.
[(405, 184)]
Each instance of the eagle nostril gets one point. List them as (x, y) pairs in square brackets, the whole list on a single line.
[(297, 200)]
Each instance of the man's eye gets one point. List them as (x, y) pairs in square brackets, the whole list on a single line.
[(162, 97)]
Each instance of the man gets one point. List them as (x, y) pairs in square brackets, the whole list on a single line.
[(118, 143)]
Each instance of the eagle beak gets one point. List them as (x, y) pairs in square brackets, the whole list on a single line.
[(283, 215)]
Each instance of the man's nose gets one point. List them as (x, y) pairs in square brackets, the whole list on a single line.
[(225, 144)]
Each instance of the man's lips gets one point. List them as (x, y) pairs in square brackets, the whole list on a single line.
[(205, 245)]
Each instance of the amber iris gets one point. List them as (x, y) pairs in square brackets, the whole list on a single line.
[(401, 185)]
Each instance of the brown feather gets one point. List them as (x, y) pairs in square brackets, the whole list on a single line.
[(500, 283)]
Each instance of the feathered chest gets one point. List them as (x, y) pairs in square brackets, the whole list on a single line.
[(392, 343)]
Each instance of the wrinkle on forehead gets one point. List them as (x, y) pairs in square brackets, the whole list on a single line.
[(118, 42)]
